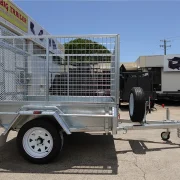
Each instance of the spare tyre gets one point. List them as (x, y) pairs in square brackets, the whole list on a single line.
[(137, 104)]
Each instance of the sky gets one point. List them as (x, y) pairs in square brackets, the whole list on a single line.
[(141, 24)]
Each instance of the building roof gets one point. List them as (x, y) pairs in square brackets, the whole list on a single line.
[(129, 66)]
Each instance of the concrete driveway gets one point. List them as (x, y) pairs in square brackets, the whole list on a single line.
[(138, 155)]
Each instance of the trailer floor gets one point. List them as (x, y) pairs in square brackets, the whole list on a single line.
[(138, 155)]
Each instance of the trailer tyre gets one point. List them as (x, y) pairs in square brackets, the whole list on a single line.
[(165, 136), (39, 141), (137, 104)]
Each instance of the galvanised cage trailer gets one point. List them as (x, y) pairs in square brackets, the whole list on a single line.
[(56, 85)]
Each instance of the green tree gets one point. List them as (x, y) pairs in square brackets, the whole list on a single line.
[(85, 46)]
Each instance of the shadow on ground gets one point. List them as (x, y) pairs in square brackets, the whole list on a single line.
[(82, 154), (139, 146), (168, 103)]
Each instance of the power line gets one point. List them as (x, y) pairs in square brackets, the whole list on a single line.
[(165, 45), (174, 37)]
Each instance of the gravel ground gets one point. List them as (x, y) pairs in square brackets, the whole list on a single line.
[(138, 155)]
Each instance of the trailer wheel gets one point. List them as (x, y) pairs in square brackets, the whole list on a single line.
[(39, 141), (137, 104), (165, 136)]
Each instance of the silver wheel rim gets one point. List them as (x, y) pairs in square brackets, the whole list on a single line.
[(131, 104), (37, 142)]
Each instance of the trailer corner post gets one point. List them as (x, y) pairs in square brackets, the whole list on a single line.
[(115, 120), (47, 69), (117, 66)]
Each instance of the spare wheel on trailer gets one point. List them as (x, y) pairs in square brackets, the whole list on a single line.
[(137, 104)]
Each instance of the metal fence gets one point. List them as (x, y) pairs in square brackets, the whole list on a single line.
[(59, 68)]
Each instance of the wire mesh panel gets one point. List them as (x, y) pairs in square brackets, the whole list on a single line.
[(12, 74), (65, 69)]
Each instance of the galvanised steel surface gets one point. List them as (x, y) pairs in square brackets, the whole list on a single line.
[(77, 74)]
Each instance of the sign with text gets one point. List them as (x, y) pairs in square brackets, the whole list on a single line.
[(14, 15), (37, 30), (172, 62)]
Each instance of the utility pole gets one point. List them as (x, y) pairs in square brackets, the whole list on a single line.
[(165, 45)]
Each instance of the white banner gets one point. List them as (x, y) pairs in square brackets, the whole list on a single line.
[(36, 29), (172, 62)]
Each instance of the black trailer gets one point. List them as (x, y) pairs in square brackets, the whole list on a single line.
[(128, 80)]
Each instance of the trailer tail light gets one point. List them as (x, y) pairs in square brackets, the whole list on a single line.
[(37, 112), (163, 105)]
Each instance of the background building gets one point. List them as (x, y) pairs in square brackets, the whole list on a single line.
[(166, 73), (18, 57)]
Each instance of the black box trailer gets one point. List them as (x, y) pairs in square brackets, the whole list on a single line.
[(131, 79)]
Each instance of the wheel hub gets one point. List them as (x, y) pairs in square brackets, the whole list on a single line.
[(40, 140), (37, 142)]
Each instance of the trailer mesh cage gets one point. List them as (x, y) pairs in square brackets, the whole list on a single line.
[(59, 68)]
